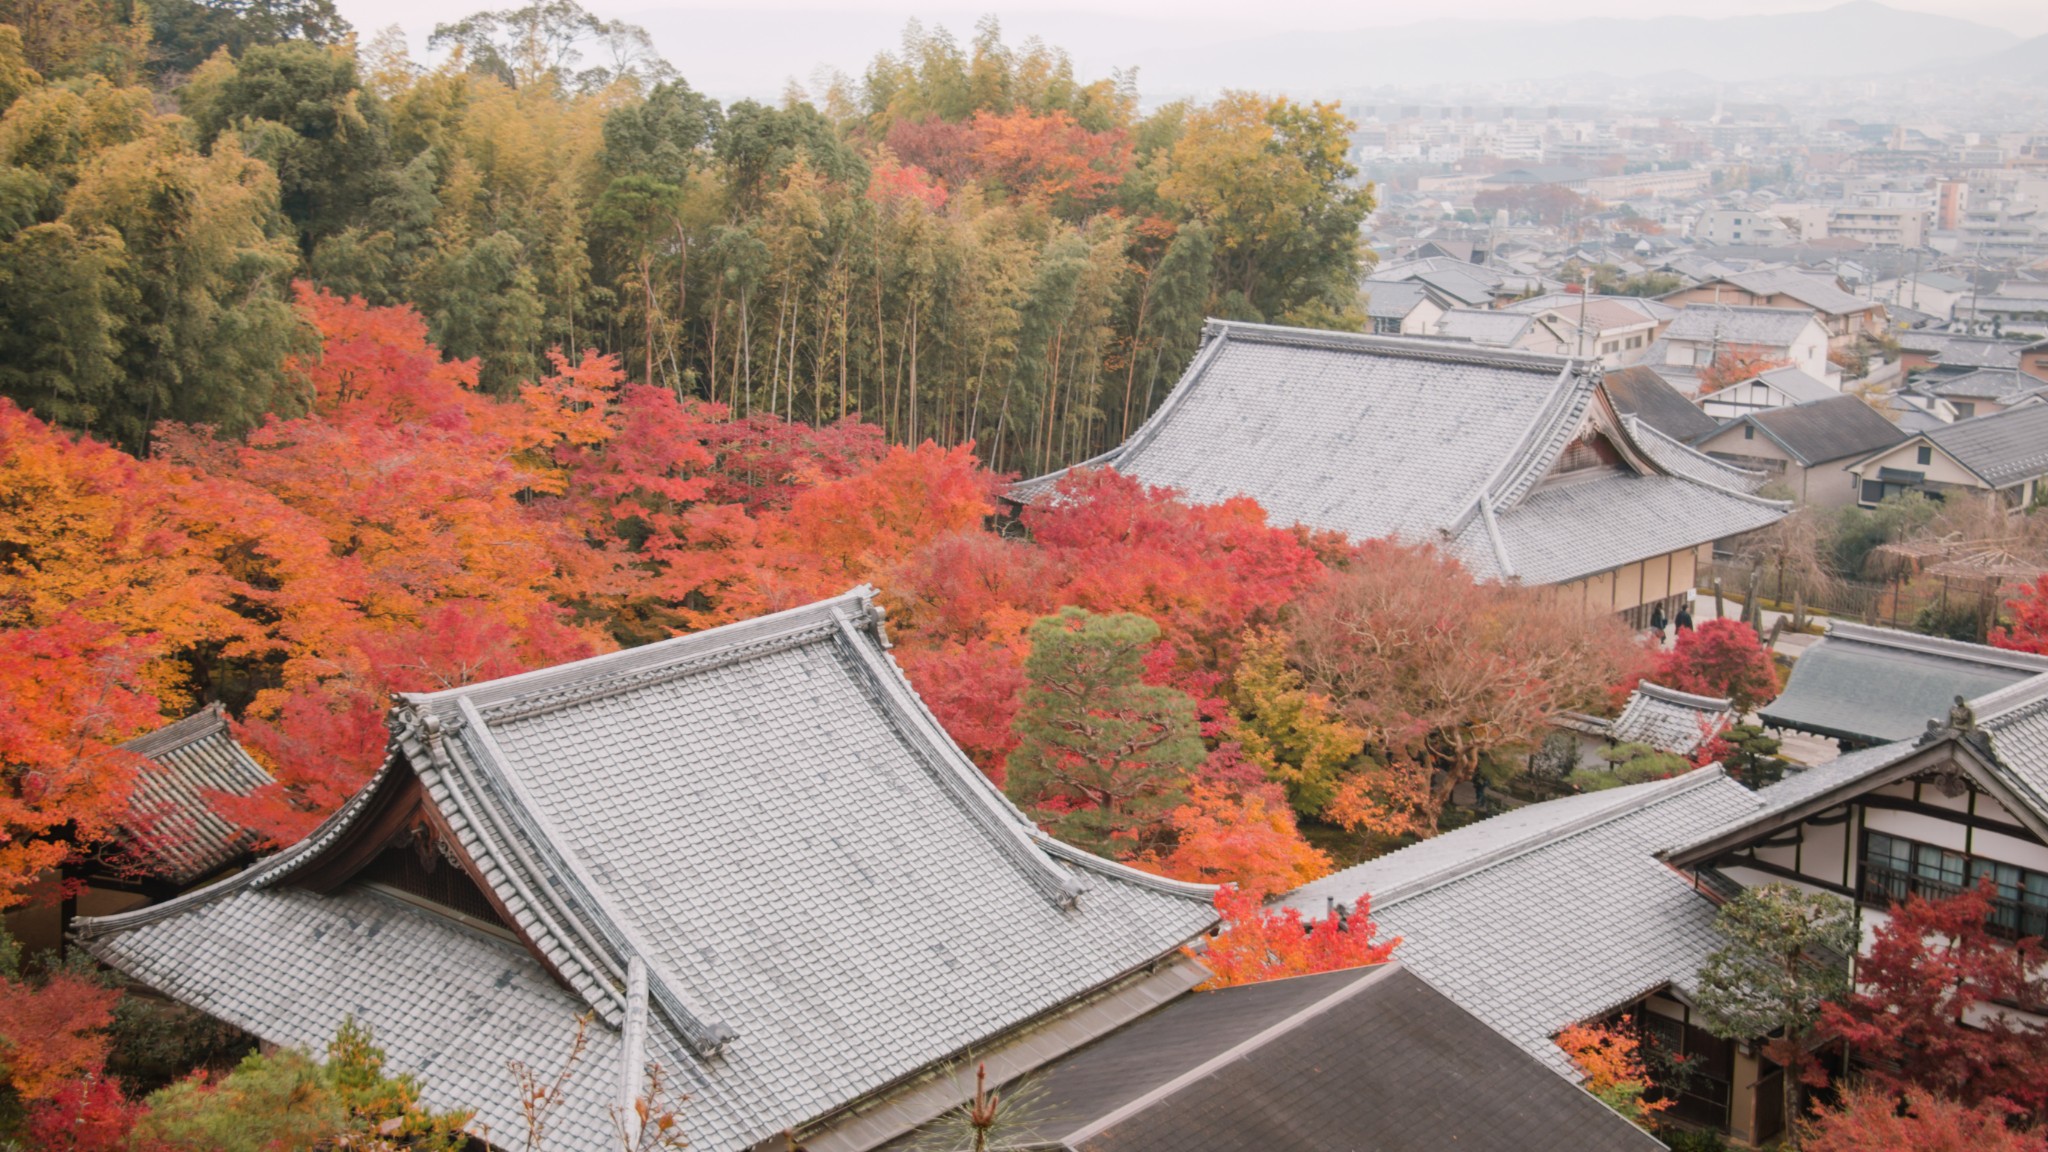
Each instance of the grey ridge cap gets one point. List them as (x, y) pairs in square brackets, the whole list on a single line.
[(1681, 459), (1651, 794)]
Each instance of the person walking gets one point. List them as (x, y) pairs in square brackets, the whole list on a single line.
[(1684, 621), (1657, 622)]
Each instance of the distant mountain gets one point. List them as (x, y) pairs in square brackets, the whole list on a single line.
[(2026, 61), (1852, 39)]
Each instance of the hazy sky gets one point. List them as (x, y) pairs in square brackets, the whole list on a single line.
[(2026, 17)]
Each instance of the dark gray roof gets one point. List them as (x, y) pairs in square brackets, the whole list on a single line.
[(1370, 1058), (1429, 441), (1472, 905), (1393, 299), (824, 894), (1876, 685), (1836, 428), (1640, 392), (1669, 720), (173, 832), (1957, 351), (1760, 327), (2002, 448), (1987, 384)]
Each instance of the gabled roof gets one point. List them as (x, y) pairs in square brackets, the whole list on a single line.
[(1608, 311), (1817, 292), (1669, 720), (751, 848), (173, 832), (1484, 326), (1430, 441), (1952, 350), (1735, 326), (1479, 908), (1393, 299), (1639, 391), (1987, 384), (2003, 448), (1333, 1062), (1839, 427), (1875, 685), (1797, 386)]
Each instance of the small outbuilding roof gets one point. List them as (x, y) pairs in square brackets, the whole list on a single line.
[(1336, 1062), (1393, 299), (1485, 326), (1669, 720), (1866, 685), (174, 834)]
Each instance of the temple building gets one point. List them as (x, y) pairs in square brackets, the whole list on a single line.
[(1519, 465)]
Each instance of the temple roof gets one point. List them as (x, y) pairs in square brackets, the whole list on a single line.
[(824, 895), (1874, 685), (1515, 462), (1669, 720), (173, 832)]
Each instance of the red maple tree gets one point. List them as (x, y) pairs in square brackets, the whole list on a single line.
[(1930, 1008), (1872, 1118), (1260, 943), (1721, 658), (2029, 629)]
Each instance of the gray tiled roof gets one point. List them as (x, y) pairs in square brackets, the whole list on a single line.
[(1640, 391), (1484, 326), (1332, 1062), (1681, 459), (826, 894), (1393, 299), (1817, 292), (1951, 350), (1669, 720), (1879, 685), (1839, 427), (1479, 909), (1797, 386), (1986, 384), (1428, 441), (174, 832), (1761, 327), (2002, 448)]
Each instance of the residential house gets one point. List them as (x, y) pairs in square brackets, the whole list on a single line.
[(750, 854), (1493, 328), (1401, 308), (751, 860), (2003, 457), (1639, 391), (1879, 225), (1983, 391), (171, 839), (1720, 226), (1313, 1063), (1519, 465), (1776, 388), (1702, 333), (1862, 686), (1806, 447), (1845, 318), (1947, 353), (1459, 284), (1936, 293), (2034, 360), (1617, 330)]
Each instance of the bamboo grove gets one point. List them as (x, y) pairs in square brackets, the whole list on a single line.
[(966, 243)]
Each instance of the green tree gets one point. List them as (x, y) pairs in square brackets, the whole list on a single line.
[(300, 107), (62, 295), (482, 300), (1787, 954), (1103, 757), (1628, 764), (188, 32), (287, 1099), (545, 43)]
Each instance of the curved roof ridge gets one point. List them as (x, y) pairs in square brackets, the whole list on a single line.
[(1412, 347), (178, 733), (1553, 430), (1646, 435), (1674, 696), (1936, 646)]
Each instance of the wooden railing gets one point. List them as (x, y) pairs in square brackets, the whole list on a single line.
[(2010, 918)]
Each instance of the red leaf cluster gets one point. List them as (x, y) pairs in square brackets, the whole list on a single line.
[(1259, 943)]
